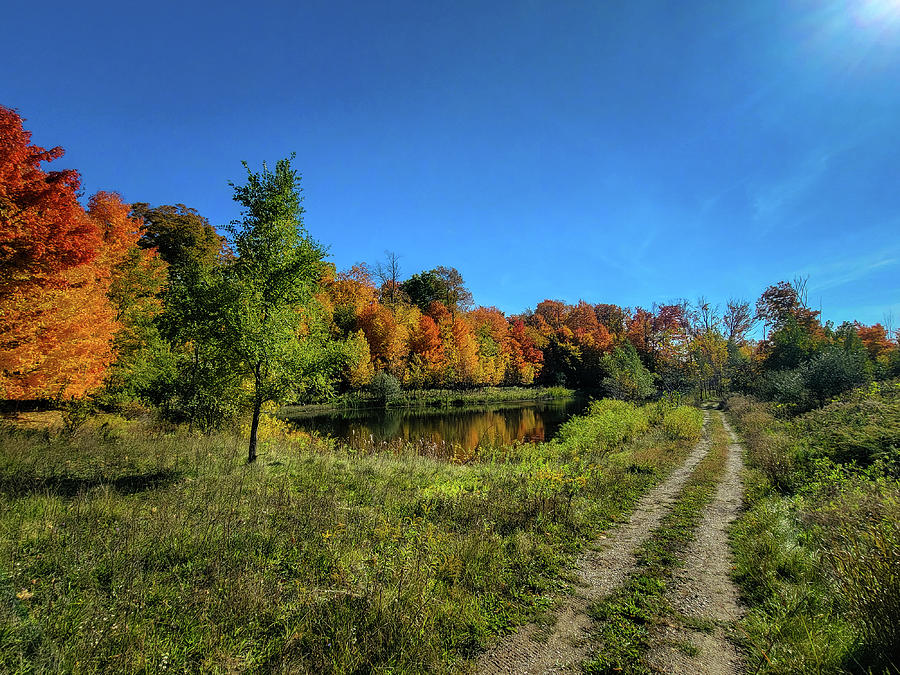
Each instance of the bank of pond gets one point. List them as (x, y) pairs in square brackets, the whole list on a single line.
[(469, 426)]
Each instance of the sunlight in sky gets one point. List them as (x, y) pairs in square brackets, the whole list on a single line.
[(875, 23), (857, 39), (878, 14)]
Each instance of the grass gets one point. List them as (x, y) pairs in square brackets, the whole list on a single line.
[(439, 398), (818, 547), (124, 548), (625, 618)]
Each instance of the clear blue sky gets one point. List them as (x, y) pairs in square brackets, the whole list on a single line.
[(625, 152)]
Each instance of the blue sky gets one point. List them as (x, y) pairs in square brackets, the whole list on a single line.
[(625, 152)]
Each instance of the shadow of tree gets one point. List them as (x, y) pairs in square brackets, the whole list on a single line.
[(23, 484)]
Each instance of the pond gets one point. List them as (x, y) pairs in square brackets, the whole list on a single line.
[(468, 427)]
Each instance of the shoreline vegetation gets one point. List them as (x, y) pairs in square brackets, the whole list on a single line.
[(134, 548), (434, 398)]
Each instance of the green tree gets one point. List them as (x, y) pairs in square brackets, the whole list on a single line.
[(202, 387), (268, 287), (423, 289), (453, 289), (442, 284), (627, 377), (181, 235), (790, 345), (179, 366)]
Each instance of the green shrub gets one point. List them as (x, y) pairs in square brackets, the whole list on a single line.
[(75, 413), (861, 428), (384, 387), (824, 376), (771, 452), (833, 372), (606, 424), (626, 376), (683, 423)]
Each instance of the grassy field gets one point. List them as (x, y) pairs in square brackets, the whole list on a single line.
[(818, 549), (125, 548)]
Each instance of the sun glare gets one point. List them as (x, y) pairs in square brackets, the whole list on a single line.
[(880, 14)]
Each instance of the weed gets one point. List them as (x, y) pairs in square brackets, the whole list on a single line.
[(683, 423)]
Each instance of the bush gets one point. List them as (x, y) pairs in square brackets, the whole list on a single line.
[(862, 428), (834, 372), (384, 387), (772, 453), (75, 413), (812, 384), (788, 387)]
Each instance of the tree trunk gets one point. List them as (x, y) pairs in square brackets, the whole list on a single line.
[(254, 427), (257, 407)]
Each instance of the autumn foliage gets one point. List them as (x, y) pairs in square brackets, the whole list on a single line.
[(58, 264), (82, 289), (43, 228)]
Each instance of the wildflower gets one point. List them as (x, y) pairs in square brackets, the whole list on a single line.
[(24, 594)]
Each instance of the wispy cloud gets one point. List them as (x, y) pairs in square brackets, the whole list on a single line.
[(771, 201), (844, 271)]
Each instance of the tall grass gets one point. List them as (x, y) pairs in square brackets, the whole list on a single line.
[(683, 423), (818, 548), (126, 548), (606, 424)]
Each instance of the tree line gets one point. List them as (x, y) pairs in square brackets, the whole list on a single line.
[(133, 302)]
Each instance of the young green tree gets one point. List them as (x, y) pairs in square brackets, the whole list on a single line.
[(267, 287), (627, 377), (185, 373)]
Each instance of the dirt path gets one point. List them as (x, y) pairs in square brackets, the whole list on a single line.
[(702, 590), (531, 650)]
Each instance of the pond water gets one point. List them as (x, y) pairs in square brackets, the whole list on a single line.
[(469, 426)]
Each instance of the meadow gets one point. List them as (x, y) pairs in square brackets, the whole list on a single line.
[(129, 546)]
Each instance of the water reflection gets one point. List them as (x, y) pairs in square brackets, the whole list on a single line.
[(468, 427)]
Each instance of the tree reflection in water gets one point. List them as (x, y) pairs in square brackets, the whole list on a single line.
[(468, 427)]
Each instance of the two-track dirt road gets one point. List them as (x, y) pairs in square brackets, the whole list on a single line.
[(702, 588)]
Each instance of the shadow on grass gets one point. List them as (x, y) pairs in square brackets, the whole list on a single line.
[(26, 484)]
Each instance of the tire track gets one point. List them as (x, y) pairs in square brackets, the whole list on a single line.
[(702, 591), (600, 572)]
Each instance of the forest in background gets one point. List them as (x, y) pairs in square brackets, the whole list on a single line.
[(118, 303)]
